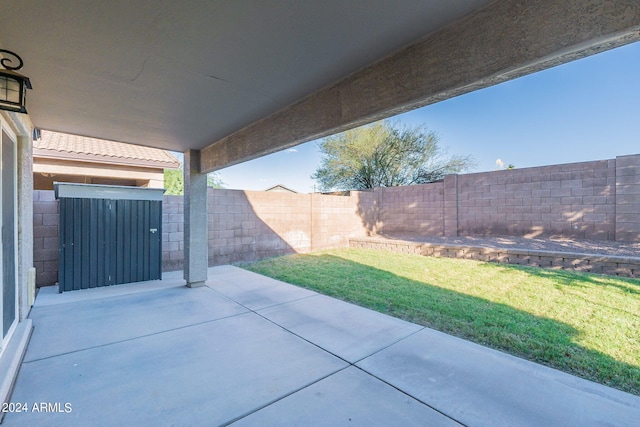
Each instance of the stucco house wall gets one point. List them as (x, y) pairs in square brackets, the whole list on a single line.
[(13, 343)]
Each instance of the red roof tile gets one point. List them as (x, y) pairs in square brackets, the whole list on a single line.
[(81, 148)]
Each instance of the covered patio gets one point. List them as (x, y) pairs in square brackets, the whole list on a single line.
[(225, 82), (250, 350)]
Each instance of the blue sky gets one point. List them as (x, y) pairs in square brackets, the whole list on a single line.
[(585, 110)]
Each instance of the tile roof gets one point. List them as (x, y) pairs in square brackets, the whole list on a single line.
[(81, 148)]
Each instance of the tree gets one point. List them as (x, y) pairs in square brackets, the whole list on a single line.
[(385, 154), (174, 181), (214, 180)]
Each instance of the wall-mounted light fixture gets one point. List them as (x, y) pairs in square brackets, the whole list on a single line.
[(13, 86)]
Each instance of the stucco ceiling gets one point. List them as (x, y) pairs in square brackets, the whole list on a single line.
[(183, 74)]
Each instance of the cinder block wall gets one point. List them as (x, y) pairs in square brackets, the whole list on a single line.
[(45, 237), (249, 225), (592, 200), (573, 200), (627, 190), (336, 219), (172, 233), (415, 209), (243, 226)]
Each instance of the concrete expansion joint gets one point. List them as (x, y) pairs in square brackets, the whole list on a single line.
[(253, 411), (256, 311), (131, 339), (407, 394), (349, 364)]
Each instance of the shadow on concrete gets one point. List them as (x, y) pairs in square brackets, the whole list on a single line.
[(495, 325)]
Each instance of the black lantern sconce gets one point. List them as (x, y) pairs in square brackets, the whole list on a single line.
[(13, 86)]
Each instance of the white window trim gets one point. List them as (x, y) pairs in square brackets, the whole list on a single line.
[(5, 126)]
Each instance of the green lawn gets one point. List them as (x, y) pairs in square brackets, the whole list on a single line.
[(584, 324)]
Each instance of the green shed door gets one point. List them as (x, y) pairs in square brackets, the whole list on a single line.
[(109, 242)]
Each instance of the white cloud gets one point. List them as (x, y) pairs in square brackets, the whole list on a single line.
[(292, 150)]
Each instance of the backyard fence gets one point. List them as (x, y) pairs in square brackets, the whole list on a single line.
[(589, 200)]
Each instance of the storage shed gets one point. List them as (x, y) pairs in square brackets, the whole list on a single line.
[(109, 235)]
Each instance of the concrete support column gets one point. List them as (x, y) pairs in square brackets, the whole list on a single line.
[(628, 198), (196, 246), (451, 205), (25, 221)]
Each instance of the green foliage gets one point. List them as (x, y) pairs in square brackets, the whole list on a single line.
[(174, 181), (385, 154), (214, 180)]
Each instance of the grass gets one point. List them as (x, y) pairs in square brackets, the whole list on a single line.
[(584, 324)]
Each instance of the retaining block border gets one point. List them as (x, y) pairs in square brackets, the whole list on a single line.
[(621, 266)]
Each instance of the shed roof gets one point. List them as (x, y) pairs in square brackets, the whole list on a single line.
[(63, 146)]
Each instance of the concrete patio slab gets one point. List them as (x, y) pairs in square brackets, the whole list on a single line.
[(180, 356), (479, 386), (49, 295), (252, 290), (232, 275), (349, 397), (202, 375), (99, 321), (346, 330)]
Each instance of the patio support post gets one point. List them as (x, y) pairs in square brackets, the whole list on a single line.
[(196, 247)]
